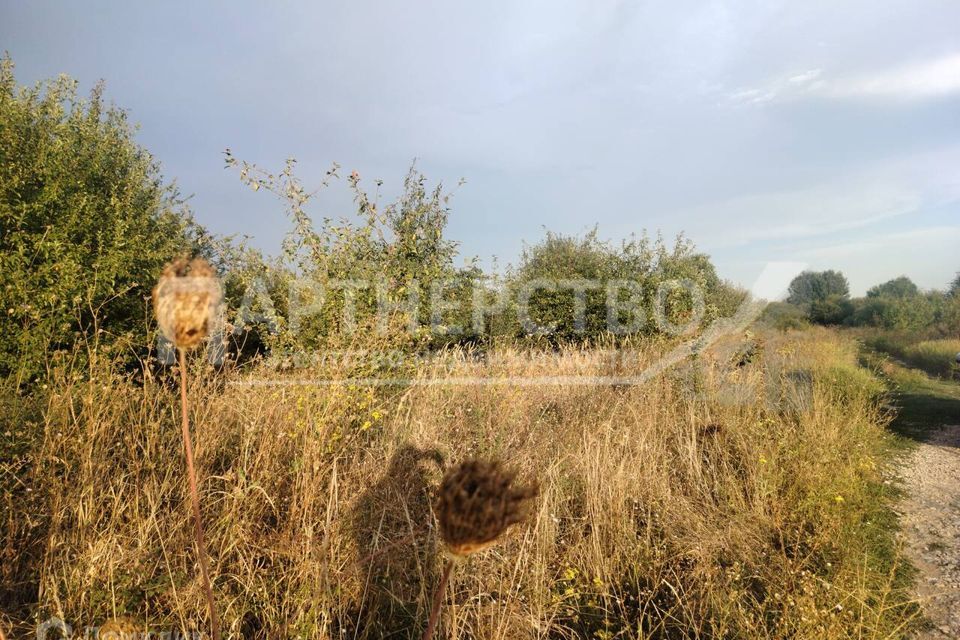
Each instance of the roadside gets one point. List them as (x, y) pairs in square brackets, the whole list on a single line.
[(928, 412)]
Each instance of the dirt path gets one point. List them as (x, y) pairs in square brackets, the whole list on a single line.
[(928, 413), (931, 528)]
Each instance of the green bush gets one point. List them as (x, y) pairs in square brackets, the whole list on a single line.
[(833, 310), (394, 256), (87, 224), (653, 288), (895, 305), (894, 313), (402, 246)]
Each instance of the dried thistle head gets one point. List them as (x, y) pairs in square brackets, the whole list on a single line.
[(187, 300), (476, 504)]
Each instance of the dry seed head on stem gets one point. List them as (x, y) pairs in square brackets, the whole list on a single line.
[(477, 502), (187, 301)]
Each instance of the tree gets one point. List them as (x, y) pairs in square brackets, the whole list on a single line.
[(902, 287), (834, 309), (954, 288), (652, 285), (558, 259), (817, 286), (87, 223), (385, 256)]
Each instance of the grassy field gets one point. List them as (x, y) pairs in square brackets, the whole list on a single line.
[(921, 402), (713, 501), (936, 357)]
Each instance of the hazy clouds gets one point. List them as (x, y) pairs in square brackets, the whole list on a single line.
[(768, 131)]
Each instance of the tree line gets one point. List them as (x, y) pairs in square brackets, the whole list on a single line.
[(88, 222), (823, 297)]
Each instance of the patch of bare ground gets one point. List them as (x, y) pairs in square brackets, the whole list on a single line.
[(931, 528)]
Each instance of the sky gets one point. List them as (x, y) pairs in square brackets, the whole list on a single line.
[(817, 132)]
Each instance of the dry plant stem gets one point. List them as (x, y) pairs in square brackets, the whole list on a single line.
[(195, 498), (438, 600)]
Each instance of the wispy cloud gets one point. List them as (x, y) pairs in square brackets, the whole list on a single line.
[(913, 81), (879, 192), (559, 115), (910, 240), (926, 79), (801, 213), (805, 78)]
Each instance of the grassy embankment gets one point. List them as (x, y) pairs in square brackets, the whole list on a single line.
[(712, 501), (922, 402), (936, 357)]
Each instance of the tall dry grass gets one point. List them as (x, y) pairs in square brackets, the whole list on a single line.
[(712, 501), (936, 357)]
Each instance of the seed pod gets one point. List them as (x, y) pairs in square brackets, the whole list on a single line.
[(187, 301), (477, 503)]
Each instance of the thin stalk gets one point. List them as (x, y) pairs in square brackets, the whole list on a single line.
[(195, 498), (438, 600)]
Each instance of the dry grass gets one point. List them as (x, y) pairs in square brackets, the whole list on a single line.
[(936, 357), (709, 502)]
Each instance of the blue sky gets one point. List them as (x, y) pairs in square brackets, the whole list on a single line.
[(820, 132)]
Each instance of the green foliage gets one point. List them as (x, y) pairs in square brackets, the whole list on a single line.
[(894, 312), (651, 286), (832, 310), (401, 260), (947, 315), (561, 258), (784, 316), (895, 305), (818, 286), (902, 287), (87, 224), (394, 257)]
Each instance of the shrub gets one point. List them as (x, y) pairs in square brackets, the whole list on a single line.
[(895, 313), (651, 283), (87, 224), (397, 253), (832, 310)]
